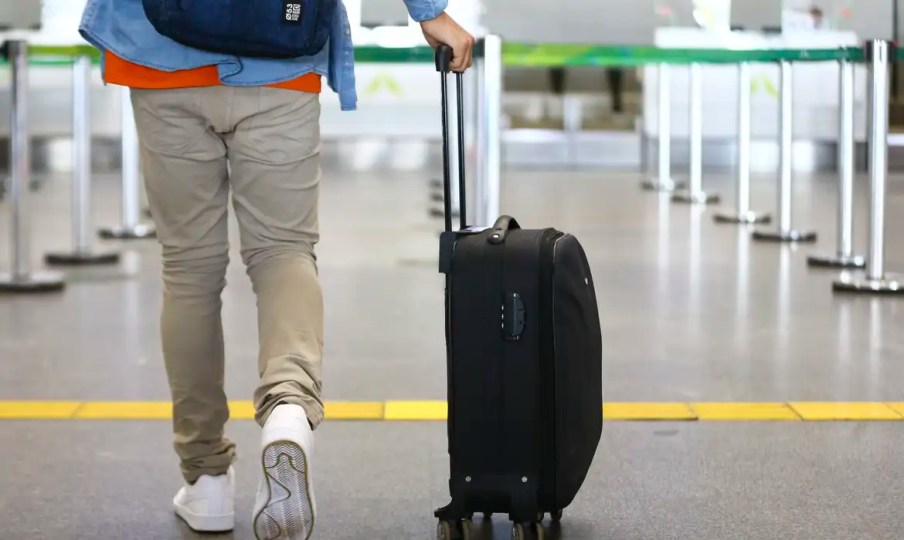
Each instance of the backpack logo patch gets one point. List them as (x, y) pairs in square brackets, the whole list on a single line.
[(292, 12)]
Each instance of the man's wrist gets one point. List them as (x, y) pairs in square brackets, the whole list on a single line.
[(440, 14)]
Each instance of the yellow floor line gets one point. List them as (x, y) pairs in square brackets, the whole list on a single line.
[(648, 411), (897, 407), (38, 410), (757, 412), (415, 410), (433, 411), (835, 412), (124, 411), (349, 410), (241, 410)]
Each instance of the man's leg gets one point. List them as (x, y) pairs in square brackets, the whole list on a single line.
[(185, 172), (275, 175)]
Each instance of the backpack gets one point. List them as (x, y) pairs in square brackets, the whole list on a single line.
[(254, 28)]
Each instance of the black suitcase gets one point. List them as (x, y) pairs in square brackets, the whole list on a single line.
[(524, 361)]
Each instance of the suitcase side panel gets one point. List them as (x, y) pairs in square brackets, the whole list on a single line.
[(474, 376), (494, 382), (578, 373)]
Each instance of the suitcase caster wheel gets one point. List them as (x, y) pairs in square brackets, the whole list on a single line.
[(447, 530), (556, 516), (466, 529), (443, 531), (541, 533), (518, 532)]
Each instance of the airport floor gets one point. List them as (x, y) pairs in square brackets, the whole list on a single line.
[(692, 312)]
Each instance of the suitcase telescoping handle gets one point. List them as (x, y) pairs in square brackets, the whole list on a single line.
[(443, 61)]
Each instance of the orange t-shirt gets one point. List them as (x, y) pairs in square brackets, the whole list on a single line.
[(125, 73)]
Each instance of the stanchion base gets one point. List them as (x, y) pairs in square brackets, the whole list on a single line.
[(36, 282), (656, 184), (890, 285), (749, 218), (138, 232), (838, 261), (700, 197), (784, 236), (82, 258)]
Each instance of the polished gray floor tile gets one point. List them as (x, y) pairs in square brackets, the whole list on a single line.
[(75, 480), (691, 310)]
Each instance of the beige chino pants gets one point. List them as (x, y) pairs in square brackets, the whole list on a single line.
[(262, 146)]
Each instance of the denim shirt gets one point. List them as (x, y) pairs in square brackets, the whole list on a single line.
[(121, 27)]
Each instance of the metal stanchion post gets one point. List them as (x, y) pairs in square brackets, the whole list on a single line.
[(663, 180), (845, 257), (82, 253), (694, 193), (489, 183), (786, 231), (131, 227), (744, 214), (472, 129), (876, 280), (480, 136), (22, 279)]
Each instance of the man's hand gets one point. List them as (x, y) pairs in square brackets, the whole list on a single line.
[(444, 29)]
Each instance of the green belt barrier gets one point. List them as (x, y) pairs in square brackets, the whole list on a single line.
[(525, 55), (384, 55), (44, 55), (539, 55)]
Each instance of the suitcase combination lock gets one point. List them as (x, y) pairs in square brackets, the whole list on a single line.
[(513, 317)]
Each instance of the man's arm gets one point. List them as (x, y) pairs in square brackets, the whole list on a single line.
[(440, 28), (425, 10)]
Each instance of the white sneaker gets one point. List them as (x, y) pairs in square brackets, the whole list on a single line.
[(285, 506), (208, 504)]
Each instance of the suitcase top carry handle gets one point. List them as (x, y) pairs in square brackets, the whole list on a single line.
[(443, 57), (503, 225)]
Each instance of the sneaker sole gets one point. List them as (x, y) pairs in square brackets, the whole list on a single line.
[(288, 513)]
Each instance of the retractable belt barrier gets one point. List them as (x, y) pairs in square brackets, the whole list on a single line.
[(492, 55)]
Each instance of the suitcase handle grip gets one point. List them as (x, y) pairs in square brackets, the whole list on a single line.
[(503, 225), (443, 58)]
